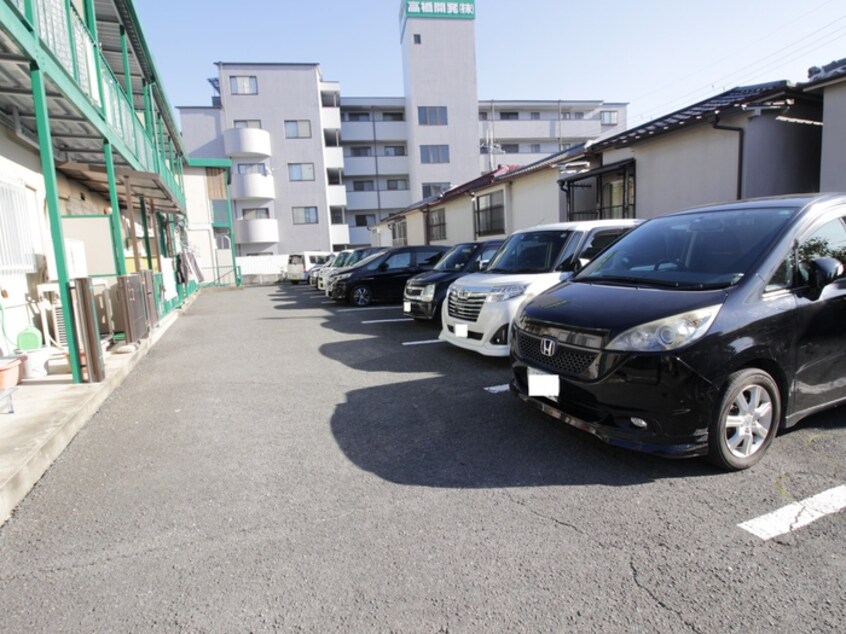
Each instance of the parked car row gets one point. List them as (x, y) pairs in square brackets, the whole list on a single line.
[(703, 332)]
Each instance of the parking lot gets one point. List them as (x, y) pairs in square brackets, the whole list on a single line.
[(282, 461)]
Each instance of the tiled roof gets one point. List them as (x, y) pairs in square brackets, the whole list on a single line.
[(726, 101)]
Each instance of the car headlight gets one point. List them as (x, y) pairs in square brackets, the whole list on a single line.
[(503, 293), (428, 293), (340, 277), (669, 333)]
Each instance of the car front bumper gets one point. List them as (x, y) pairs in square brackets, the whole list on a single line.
[(674, 402), (419, 309), (488, 334)]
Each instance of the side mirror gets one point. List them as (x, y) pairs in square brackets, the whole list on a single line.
[(383, 266), (481, 264), (824, 271)]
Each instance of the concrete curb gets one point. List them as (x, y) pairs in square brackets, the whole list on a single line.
[(36, 436)]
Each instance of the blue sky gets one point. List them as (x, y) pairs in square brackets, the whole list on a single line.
[(657, 55)]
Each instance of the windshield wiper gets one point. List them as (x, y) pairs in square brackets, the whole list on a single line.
[(627, 280)]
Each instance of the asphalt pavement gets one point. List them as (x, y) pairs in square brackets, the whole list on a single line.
[(280, 462)]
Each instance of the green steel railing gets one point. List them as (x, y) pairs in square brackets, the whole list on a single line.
[(63, 31)]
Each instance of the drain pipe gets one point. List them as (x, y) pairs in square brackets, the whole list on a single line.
[(741, 142)]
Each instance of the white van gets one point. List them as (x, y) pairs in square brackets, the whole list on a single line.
[(479, 307), (299, 264)]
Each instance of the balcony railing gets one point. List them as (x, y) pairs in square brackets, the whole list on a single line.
[(64, 33)]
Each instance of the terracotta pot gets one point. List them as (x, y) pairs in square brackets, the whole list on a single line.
[(10, 373)]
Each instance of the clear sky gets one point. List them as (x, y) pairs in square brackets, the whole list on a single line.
[(656, 55)]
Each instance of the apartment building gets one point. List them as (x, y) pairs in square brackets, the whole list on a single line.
[(92, 181), (315, 170)]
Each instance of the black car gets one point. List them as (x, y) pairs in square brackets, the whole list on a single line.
[(424, 294), (353, 258), (700, 332), (382, 277)]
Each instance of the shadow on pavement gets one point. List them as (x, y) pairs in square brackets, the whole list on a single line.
[(427, 433)]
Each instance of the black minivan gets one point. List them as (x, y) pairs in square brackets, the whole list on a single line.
[(699, 332), (382, 277), (424, 294)]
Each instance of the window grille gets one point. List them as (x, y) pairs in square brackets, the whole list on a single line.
[(17, 211)]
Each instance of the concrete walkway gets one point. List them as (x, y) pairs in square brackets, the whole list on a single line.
[(48, 413)]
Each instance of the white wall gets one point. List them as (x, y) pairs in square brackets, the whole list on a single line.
[(535, 200), (684, 169)]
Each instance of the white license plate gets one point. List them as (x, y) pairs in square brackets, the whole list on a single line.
[(461, 330), (406, 307), (543, 384)]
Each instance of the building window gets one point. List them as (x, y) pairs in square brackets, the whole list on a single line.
[(394, 150), (243, 85), (363, 186), (393, 116), (534, 116), (399, 233), (362, 150), (536, 148), (301, 171), (566, 116), (256, 213), (305, 215), (436, 224), (483, 116), (337, 215), (608, 117), (397, 184), (418, 39), (509, 116), (18, 207), (432, 115), (358, 116), (510, 148), (365, 220), (490, 214), (578, 116), (298, 129), (433, 189), (247, 123), (252, 168), (434, 154)]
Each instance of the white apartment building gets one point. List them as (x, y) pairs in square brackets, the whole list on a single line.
[(312, 170)]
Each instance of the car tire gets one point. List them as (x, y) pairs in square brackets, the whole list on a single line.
[(295, 282), (747, 420), (361, 296)]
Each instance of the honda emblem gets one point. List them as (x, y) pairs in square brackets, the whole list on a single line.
[(548, 346)]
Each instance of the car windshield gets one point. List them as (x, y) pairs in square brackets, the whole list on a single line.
[(456, 258), (365, 261), (361, 254), (529, 252), (341, 260), (699, 250)]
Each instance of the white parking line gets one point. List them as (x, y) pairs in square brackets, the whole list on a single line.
[(796, 515), (421, 343), (352, 310), (496, 389), (385, 321)]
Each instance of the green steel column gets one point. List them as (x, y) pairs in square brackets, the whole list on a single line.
[(91, 22), (160, 137), (29, 11), (117, 234), (127, 76), (231, 219), (51, 184), (146, 226)]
